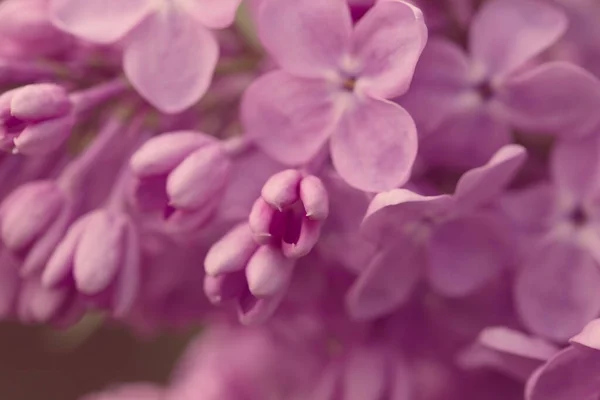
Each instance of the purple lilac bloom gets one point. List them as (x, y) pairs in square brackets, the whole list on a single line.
[(314, 199)]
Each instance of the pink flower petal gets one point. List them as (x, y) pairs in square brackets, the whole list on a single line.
[(505, 34), (575, 166), (214, 14), (101, 21), (290, 118), (375, 146), (170, 60), (555, 97), (484, 183), (466, 139), (397, 208), (388, 41), (557, 292), (571, 374), (589, 337), (446, 90), (387, 282), (464, 254), (307, 37)]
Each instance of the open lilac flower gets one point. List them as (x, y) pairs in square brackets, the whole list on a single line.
[(166, 37), (495, 87), (562, 237), (451, 239), (335, 90), (181, 174)]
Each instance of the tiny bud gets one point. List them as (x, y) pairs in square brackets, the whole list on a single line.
[(232, 252), (269, 272), (314, 198), (281, 189), (260, 220), (39, 102), (199, 178)]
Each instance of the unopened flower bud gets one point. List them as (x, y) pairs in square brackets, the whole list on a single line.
[(281, 190), (269, 272)]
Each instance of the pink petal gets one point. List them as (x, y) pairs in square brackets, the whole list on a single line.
[(484, 183), (575, 166), (366, 374), (387, 282), (101, 21), (162, 153), (555, 97), (464, 254), (446, 90), (505, 34), (214, 14), (399, 207), (99, 253), (557, 292), (290, 118), (306, 37), (388, 41), (375, 146), (589, 337), (514, 342), (571, 374), (129, 280), (170, 60), (60, 264), (466, 138)]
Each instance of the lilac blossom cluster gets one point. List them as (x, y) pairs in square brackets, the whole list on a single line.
[(355, 199)]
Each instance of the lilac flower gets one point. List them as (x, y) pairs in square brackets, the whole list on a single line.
[(465, 247), (56, 203), (166, 37), (181, 174), (27, 32), (337, 88), (255, 277), (497, 86), (290, 212), (562, 239), (37, 119), (508, 351)]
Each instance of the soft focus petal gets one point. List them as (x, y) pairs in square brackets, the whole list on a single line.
[(465, 139), (214, 14), (99, 254), (485, 183), (199, 178), (375, 147), (306, 37), (170, 60), (365, 374), (571, 374), (444, 90), (390, 210), (387, 282), (466, 253), (162, 153), (555, 97), (575, 167), (589, 337), (507, 33), (388, 41), (290, 118), (557, 291), (102, 21)]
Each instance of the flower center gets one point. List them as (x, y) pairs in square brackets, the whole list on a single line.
[(485, 90), (349, 84), (578, 216)]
